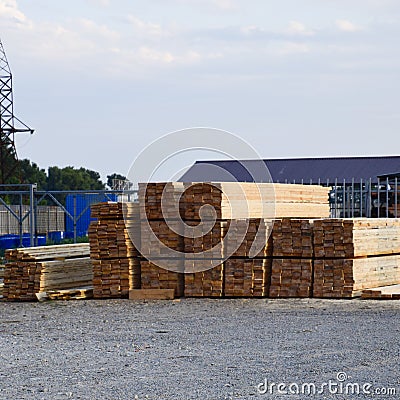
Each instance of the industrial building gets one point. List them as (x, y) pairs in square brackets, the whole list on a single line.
[(361, 186)]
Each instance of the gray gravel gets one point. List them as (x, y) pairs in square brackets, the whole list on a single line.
[(195, 348)]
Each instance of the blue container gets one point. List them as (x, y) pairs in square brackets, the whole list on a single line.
[(9, 242), (13, 241), (56, 236), (26, 240), (78, 205)]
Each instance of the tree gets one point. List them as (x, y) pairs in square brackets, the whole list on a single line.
[(31, 173), (69, 178), (110, 179)]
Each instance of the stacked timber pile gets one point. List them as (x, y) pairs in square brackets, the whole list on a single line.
[(292, 264), (35, 270), (355, 254), (248, 268), (391, 292), (162, 238), (204, 221), (238, 200), (116, 266)]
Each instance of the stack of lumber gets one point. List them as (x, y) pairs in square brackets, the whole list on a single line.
[(291, 277), (391, 292), (355, 254), (245, 277), (156, 232), (249, 248), (160, 201), (154, 277), (292, 264), (217, 221), (356, 237), (116, 266), (162, 236), (237, 200), (34, 270)]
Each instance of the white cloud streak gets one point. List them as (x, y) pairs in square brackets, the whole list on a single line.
[(347, 26)]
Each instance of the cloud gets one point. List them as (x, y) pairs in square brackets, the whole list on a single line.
[(146, 28), (223, 5), (347, 26), (92, 28), (297, 28), (101, 3), (289, 48), (9, 10)]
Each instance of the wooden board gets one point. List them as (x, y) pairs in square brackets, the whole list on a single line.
[(151, 294)]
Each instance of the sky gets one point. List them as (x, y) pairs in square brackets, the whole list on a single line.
[(99, 80)]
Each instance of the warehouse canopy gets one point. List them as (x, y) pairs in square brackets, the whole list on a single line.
[(294, 169)]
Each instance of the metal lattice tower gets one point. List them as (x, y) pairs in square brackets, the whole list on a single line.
[(9, 123)]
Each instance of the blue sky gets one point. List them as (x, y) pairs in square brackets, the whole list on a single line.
[(100, 79)]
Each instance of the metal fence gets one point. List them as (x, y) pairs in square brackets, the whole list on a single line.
[(31, 215), (371, 198)]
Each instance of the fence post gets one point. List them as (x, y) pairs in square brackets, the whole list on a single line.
[(31, 214)]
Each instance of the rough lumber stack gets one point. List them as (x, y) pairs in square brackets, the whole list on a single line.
[(154, 277), (391, 292), (168, 233), (355, 254), (114, 277), (291, 277), (247, 277), (116, 264), (160, 201), (162, 236), (37, 269), (292, 264), (248, 238), (220, 220), (346, 278), (248, 268), (238, 200), (358, 237), (208, 283), (293, 238)]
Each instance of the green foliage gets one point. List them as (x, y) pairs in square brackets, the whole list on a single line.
[(31, 173), (70, 178)]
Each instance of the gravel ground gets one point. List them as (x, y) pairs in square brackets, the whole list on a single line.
[(195, 348)]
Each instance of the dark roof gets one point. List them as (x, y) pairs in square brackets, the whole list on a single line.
[(294, 169)]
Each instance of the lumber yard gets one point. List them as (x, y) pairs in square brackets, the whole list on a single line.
[(301, 251)]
